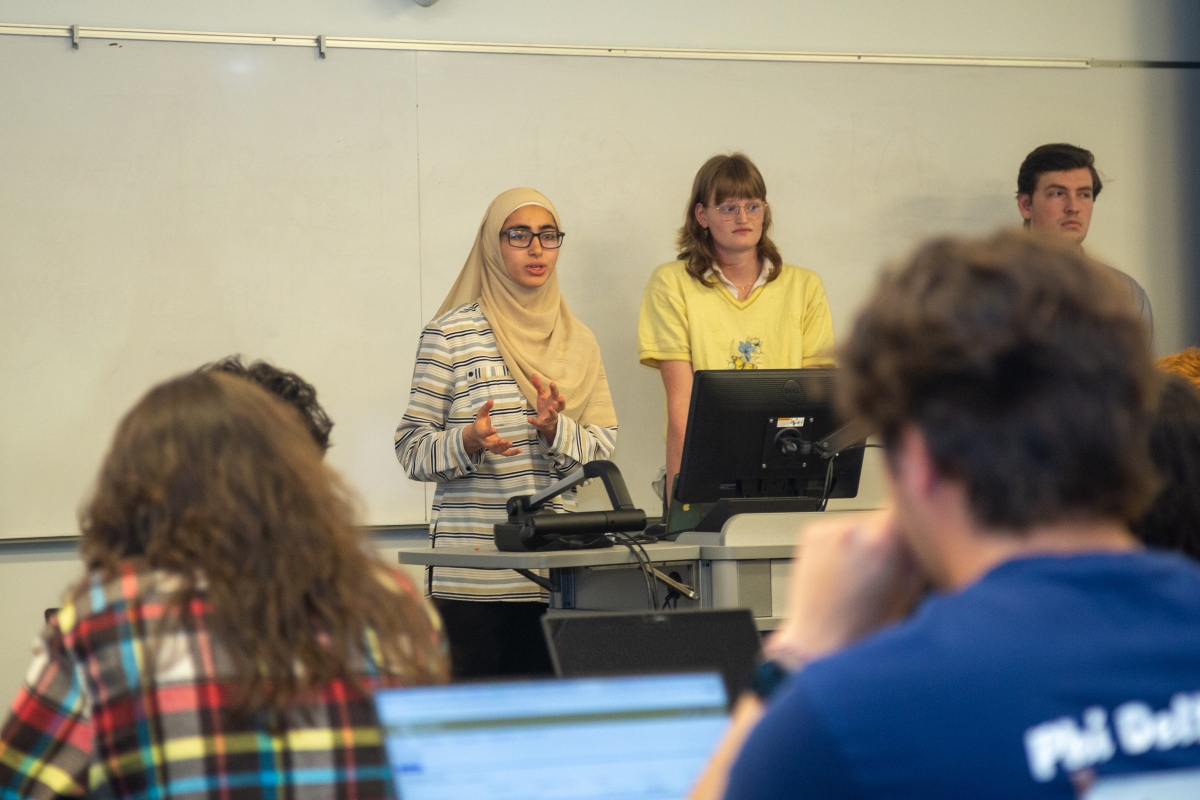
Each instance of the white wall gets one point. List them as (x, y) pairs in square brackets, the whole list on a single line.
[(172, 203), (1111, 29), (168, 204)]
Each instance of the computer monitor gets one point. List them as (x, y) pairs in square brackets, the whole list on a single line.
[(753, 435), (636, 738)]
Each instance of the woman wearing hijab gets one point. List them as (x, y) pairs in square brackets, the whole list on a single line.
[(508, 396)]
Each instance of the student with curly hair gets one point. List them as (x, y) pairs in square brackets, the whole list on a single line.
[(1012, 385), (287, 386)]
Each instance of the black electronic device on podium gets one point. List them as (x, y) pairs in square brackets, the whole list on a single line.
[(532, 525), (762, 441)]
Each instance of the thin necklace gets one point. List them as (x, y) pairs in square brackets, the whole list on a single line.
[(746, 285), (741, 287), (746, 289)]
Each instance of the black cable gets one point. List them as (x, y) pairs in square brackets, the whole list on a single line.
[(643, 538), (643, 560), (650, 567), (828, 483), (644, 563), (649, 570), (673, 594), (615, 538), (634, 544), (829, 471)]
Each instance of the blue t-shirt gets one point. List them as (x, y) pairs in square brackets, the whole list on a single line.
[(1046, 670)]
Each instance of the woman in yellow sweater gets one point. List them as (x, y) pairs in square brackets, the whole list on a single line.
[(729, 302)]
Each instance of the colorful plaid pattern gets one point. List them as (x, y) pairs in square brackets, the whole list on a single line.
[(112, 706)]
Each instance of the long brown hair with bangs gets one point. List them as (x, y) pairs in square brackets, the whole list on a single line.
[(211, 479), (720, 179)]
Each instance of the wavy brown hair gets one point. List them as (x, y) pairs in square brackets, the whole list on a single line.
[(212, 479), (723, 178)]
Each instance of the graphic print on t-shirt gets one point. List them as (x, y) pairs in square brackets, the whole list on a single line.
[(1134, 727), (745, 353)]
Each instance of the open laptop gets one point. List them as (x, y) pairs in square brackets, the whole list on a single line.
[(588, 643), (1175, 784), (633, 738)]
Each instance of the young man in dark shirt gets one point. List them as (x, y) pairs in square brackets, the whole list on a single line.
[(1057, 187), (1012, 384)]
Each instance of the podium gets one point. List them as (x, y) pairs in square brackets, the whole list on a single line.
[(744, 565)]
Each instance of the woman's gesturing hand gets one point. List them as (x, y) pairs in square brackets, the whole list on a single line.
[(549, 405), (480, 435)]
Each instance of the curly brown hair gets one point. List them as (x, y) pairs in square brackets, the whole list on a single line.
[(1024, 367), (212, 479), (1173, 522), (723, 178), (1185, 364)]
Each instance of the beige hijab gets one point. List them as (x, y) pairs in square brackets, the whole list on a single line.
[(535, 330)]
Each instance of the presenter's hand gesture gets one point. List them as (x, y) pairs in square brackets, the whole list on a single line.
[(480, 435), (549, 405)]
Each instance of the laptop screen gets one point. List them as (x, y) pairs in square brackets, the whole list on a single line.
[(621, 737)]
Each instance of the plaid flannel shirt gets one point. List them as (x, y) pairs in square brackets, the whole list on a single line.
[(90, 720)]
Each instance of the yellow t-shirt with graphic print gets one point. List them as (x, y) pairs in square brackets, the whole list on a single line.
[(783, 324)]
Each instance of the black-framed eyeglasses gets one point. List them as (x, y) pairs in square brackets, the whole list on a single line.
[(523, 237), (754, 209)]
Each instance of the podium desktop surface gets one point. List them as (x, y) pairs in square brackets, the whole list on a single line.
[(745, 565)]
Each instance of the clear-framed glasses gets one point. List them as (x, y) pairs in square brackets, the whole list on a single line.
[(523, 237), (754, 209)]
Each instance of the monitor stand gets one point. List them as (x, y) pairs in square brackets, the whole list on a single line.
[(711, 517)]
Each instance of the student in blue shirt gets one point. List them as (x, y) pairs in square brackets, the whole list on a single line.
[(1013, 387)]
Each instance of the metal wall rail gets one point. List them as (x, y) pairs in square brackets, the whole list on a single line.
[(323, 44)]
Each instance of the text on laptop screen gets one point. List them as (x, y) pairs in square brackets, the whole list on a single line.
[(628, 737)]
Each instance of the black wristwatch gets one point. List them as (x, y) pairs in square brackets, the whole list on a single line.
[(768, 677)]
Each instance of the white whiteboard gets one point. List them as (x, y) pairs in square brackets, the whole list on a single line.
[(163, 205)]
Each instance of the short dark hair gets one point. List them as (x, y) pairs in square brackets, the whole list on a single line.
[(1173, 522), (1025, 368), (287, 386), (1056, 158)]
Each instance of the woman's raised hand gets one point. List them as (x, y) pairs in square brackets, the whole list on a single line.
[(480, 435), (549, 405)]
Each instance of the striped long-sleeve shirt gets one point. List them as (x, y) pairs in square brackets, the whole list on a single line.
[(458, 368)]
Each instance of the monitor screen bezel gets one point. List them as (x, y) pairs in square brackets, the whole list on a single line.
[(745, 400)]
